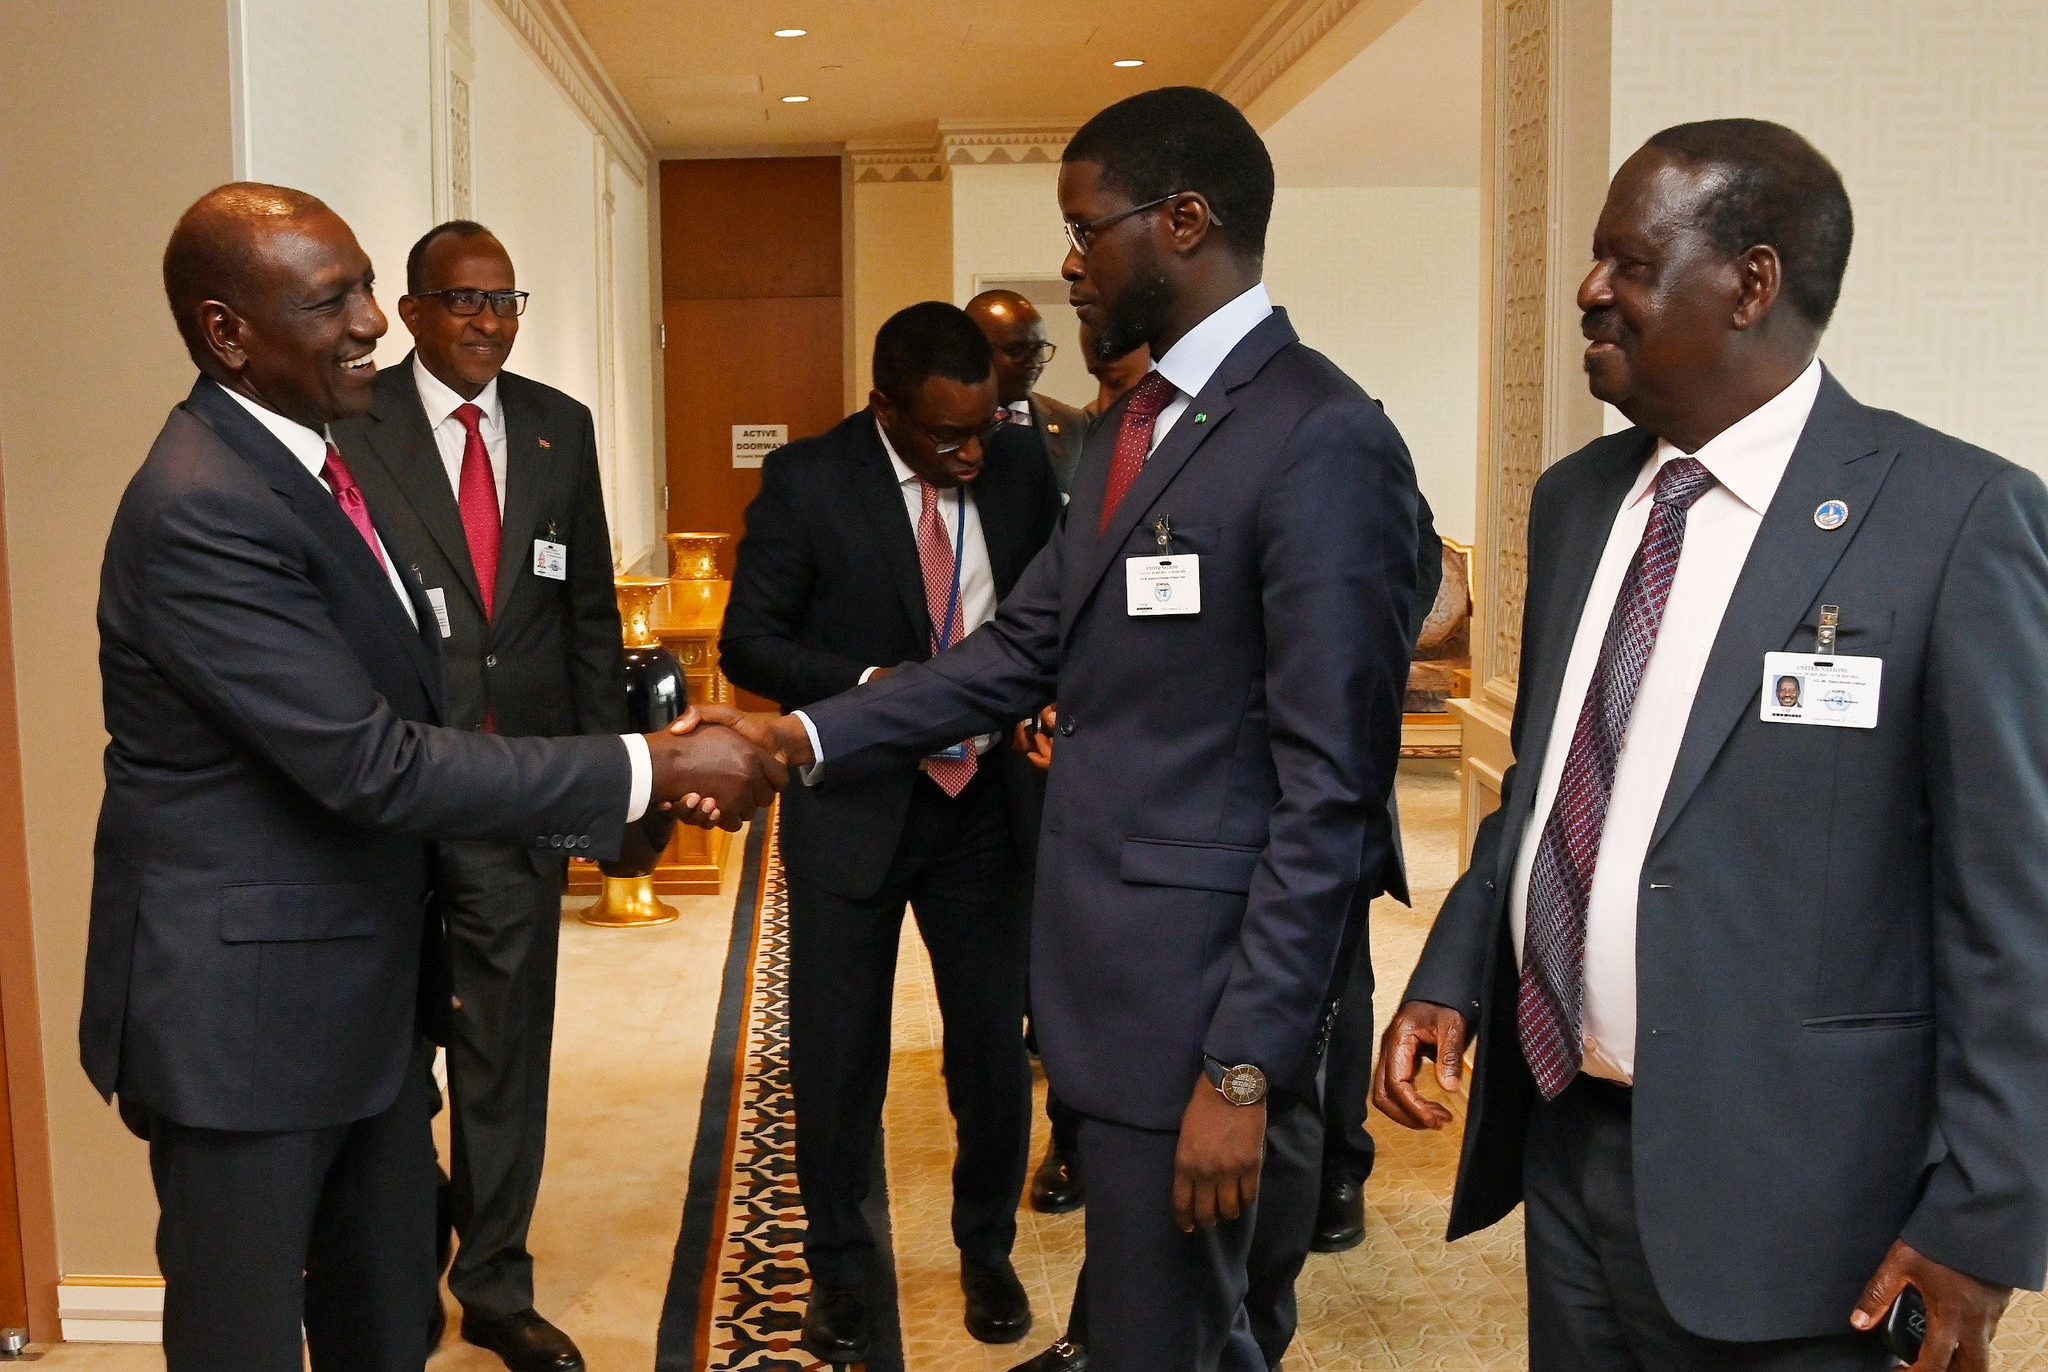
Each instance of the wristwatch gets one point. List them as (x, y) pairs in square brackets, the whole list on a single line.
[(1243, 1084)]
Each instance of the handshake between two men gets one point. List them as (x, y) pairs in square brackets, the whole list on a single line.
[(715, 766)]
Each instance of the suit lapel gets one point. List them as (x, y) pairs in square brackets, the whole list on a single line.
[(403, 445), (881, 496), (1582, 543), (315, 506), (526, 474), (1837, 458), (1204, 416)]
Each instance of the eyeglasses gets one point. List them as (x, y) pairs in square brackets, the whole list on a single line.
[(1078, 235), (946, 448), (464, 303), (1040, 352)]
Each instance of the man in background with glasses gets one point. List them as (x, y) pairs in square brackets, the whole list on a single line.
[(1016, 331), (879, 543), (487, 484)]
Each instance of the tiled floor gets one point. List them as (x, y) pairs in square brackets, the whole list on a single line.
[(635, 1021)]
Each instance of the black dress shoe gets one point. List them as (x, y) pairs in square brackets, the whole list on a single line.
[(1056, 1186), (998, 1311), (1340, 1217), (1061, 1357), (525, 1341), (836, 1324)]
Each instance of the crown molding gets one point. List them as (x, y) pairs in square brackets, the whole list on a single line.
[(896, 163), (553, 37), (967, 143), (1283, 42)]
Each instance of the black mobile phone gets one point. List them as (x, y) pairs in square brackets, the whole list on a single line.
[(1906, 1327)]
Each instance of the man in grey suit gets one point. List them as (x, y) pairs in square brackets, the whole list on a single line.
[(1223, 618), (1016, 331), (487, 483), (1762, 1001), (261, 965)]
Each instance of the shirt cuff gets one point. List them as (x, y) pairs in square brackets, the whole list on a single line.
[(810, 773), (642, 785), (864, 676)]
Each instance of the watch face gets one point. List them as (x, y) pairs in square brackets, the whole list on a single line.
[(1243, 1085)]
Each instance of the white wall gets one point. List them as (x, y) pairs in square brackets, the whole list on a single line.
[(902, 253), (1385, 281), (1934, 114), (340, 101), (1006, 223)]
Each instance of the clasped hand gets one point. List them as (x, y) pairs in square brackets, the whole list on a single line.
[(716, 765)]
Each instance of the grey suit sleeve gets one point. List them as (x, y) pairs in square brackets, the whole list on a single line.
[(597, 664), (987, 681), (1337, 575), (235, 620), (1985, 1207)]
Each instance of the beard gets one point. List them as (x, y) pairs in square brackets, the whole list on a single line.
[(1139, 315)]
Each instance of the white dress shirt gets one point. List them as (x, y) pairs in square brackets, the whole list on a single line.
[(310, 449), (1748, 460), (1190, 363), (450, 437)]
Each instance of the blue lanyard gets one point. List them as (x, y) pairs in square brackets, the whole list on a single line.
[(943, 641)]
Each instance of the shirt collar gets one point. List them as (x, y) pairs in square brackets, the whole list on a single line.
[(440, 402), (307, 446), (1022, 407), (1749, 457), (1190, 363)]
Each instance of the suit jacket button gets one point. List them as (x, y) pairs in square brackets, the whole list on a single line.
[(490, 659), (556, 841), (1066, 725)]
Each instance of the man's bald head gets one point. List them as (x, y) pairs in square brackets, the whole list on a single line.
[(1016, 331), (212, 249), (274, 298)]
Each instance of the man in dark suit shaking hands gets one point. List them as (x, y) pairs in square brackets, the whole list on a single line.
[(261, 907), (488, 484), (1223, 618), (879, 543), (1761, 994)]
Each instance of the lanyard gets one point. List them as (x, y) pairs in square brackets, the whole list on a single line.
[(944, 640)]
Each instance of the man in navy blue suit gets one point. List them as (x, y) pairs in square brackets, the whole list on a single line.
[(1223, 620)]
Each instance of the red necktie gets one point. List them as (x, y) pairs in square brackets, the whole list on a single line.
[(481, 522), (935, 551), (1550, 1004), (1133, 441), (350, 497)]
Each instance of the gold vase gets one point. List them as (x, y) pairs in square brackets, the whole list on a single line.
[(654, 698), (694, 557)]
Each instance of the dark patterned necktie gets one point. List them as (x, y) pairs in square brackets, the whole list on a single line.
[(349, 496), (935, 555), (1133, 441), (1550, 1004)]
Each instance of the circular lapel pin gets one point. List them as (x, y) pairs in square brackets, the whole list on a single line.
[(1831, 514)]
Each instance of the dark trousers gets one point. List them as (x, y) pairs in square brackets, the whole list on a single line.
[(1593, 1304), (1180, 1304), (504, 921), (957, 869), (1347, 1077), (332, 1229)]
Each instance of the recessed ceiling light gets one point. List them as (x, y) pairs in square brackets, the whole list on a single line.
[(796, 99), (1128, 62), (791, 33)]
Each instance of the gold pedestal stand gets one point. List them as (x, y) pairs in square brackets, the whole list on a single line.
[(682, 613)]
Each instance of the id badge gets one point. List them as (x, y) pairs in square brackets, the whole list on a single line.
[(1836, 692), (438, 598), (1163, 585), (551, 560)]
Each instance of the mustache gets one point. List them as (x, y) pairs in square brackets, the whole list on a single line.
[(1603, 326)]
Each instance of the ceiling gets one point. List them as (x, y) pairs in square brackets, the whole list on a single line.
[(1404, 112), (708, 76)]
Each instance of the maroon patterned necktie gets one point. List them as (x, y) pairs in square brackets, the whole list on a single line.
[(935, 552), (1550, 1004), (481, 523), (349, 496), (1133, 442)]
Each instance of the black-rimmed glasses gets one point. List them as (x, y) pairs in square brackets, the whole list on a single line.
[(464, 303), (1040, 352), (1078, 235), (946, 448)]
